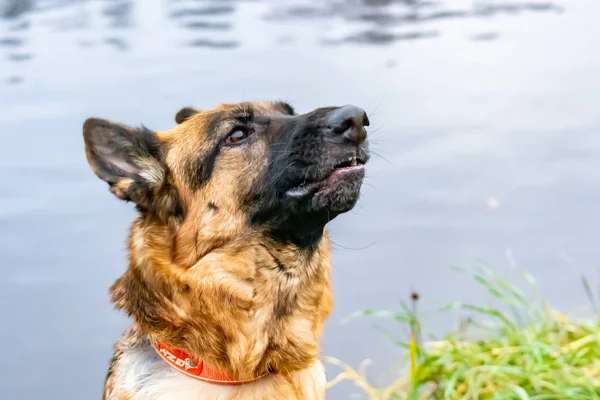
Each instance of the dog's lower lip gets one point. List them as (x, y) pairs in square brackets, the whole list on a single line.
[(303, 190), (344, 170)]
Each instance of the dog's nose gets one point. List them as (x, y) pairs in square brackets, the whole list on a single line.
[(349, 121)]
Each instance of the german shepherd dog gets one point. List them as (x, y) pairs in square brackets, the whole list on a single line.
[(228, 283)]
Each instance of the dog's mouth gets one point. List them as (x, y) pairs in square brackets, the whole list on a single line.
[(347, 171)]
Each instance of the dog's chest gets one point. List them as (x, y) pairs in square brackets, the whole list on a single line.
[(287, 307), (142, 375), (148, 377)]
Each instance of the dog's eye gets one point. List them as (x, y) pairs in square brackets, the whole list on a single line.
[(237, 135)]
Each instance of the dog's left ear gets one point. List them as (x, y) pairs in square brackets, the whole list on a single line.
[(128, 159), (185, 113)]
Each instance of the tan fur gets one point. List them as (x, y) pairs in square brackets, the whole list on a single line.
[(208, 283)]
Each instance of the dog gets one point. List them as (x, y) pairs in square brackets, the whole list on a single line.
[(228, 284)]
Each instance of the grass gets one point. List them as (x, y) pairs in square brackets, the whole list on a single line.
[(520, 349)]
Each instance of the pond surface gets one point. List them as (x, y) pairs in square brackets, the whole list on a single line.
[(484, 118)]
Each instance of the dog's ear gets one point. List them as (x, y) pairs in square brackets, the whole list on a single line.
[(185, 113), (128, 159)]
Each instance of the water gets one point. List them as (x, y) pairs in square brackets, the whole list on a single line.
[(484, 118)]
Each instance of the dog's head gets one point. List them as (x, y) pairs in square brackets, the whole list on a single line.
[(255, 166)]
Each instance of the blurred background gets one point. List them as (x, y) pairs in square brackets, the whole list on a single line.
[(484, 126)]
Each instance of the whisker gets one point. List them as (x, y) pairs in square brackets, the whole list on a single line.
[(371, 133), (277, 158), (351, 248), (362, 214), (369, 185), (305, 176), (280, 173), (376, 154), (377, 106), (381, 141)]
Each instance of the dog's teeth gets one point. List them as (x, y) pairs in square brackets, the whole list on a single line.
[(302, 190), (299, 191), (353, 162)]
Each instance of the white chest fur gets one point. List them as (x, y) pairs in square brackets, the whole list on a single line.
[(143, 375)]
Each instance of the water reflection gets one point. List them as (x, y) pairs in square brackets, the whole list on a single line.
[(15, 8), (210, 24), (117, 43), (380, 37), (202, 11), (119, 13), (485, 36), (205, 24), (386, 20), (12, 44)]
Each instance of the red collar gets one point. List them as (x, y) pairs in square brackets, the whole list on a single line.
[(187, 365)]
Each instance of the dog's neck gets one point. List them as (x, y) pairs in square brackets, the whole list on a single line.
[(248, 304)]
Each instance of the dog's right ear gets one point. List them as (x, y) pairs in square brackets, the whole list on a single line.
[(128, 159), (185, 113)]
